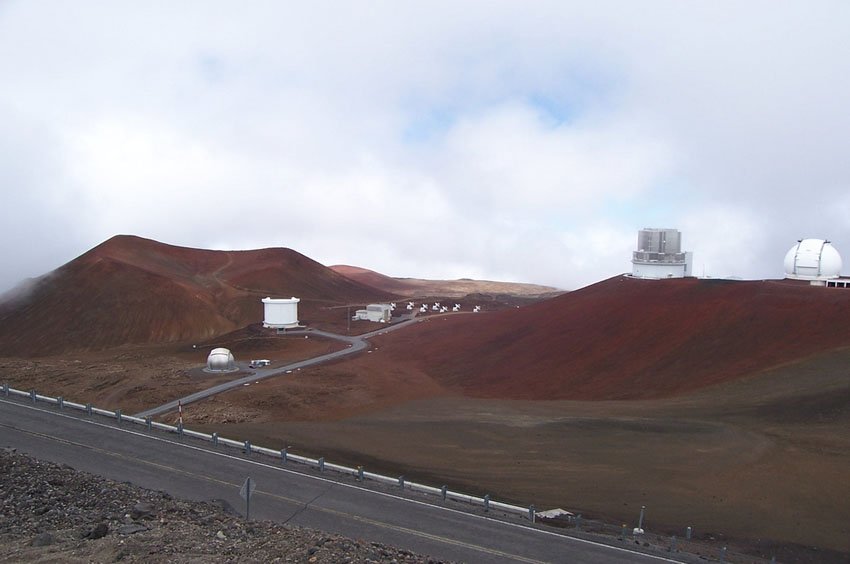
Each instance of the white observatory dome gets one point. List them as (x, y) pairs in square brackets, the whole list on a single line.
[(221, 360), (812, 259)]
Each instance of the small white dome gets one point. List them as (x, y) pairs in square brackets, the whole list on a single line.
[(812, 259), (221, 360)]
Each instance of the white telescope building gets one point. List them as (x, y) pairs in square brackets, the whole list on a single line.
[(280, 313), (815, 260), (659, 255)]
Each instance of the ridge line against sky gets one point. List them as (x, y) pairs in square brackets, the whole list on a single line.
[(494, 140)]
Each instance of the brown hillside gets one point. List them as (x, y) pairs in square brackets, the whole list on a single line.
[(420, 288), (374, 279), (134, 290), (627, 338)]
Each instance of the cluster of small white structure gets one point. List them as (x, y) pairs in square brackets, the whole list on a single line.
[(439, 307)]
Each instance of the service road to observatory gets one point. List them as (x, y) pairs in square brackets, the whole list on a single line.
[(194, 470), (356, 344)]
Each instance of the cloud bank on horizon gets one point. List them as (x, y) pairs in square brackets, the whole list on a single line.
[(494, 140)]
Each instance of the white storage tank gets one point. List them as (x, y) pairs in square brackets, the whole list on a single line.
[(280, 313)]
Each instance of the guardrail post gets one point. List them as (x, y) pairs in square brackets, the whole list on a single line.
[(360, 473), (88, 409), (688, 533), (283, 455), (60, 401), (722, 555), (322, 464), (640, 521), (32, 395), (248, 447), (673, 544), (401, 482), (180, 429), (578, 522), (487, 502), (149, 422), (6, 389), (623, 532), (444, 490), (118, 415), (214, 439), (531, 513)]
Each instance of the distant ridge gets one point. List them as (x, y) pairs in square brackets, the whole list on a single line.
[(626, 338), (443, 288), (134, 290)]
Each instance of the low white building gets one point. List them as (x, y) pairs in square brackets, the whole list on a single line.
[(374, 312)]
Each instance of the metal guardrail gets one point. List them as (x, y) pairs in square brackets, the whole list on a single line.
[(282, 455)]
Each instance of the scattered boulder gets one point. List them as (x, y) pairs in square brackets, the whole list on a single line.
[(43, 539), (131, 529), (100, 530), (168, 530), (141, 511)]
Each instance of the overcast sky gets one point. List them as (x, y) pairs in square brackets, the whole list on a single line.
[(520, 141)]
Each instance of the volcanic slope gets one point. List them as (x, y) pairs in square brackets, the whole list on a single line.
[(418, 287), (135, 290), (626, 338)]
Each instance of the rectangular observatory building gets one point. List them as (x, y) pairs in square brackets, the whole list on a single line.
[(659, 255)]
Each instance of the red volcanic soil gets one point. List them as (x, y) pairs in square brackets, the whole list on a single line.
[(374, 279), (497, 293), (627, 338), (134, 290)]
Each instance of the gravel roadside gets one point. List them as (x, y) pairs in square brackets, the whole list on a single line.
[(53, 513)]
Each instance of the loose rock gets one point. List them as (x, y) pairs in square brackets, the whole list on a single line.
[(46, 508)]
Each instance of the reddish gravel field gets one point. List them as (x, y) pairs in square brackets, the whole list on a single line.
[(720, 404), (130, 290), (626, 338)]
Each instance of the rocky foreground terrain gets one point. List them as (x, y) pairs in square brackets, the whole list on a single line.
[(52, 513)]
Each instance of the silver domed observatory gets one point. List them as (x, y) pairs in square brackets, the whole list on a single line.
[(221, 360)]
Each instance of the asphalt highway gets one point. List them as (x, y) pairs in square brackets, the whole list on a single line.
[(192, 469)]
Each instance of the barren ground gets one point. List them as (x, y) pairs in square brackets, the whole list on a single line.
[(759, 463)]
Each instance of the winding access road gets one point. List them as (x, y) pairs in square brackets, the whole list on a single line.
[(191, 469), (356, 344)]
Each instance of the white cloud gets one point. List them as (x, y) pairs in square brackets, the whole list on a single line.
[(448, 139), (728, 241)]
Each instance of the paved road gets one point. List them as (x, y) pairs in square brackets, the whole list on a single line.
[(356, 344), (196, 470)]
